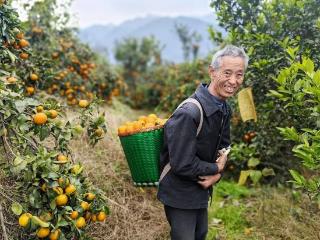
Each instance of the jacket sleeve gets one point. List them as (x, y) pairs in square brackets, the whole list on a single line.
[(180, 133)]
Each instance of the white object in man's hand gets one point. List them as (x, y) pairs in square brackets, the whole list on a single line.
[(221, 161)]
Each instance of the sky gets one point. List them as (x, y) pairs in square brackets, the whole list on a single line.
[(91, 12)]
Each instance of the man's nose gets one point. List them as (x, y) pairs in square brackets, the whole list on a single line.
[(233, 79)]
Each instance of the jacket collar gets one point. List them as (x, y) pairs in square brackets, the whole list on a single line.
[(207, 100)]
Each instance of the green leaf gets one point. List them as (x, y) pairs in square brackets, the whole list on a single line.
[(16, 208), (44, 132), (255, 176), (300, 180), (253, 162), (53, 175), (268, 172)]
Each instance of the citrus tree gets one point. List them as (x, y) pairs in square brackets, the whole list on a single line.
[(265, 29), (57, 201), (76, 72), (299, 89)]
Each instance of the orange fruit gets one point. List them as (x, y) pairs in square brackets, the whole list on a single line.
[(39, 108), (24, 219), (83, 103), (20, 35), (149, 125), (81, 222), (101, 216), (98, 132), (61, 200), (62, 158), (130, 129), (85, 205), (152, 115), (70, 189), (90, 196), (74, 215), (122, 130), (53, 113), (55, 235), (40, 118), (93, 218), (55, 55), (23, 43), (43, 232), (24, 55), (30, 90), (11, 80), (34, 77)]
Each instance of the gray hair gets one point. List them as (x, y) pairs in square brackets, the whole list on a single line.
[(229, 50)]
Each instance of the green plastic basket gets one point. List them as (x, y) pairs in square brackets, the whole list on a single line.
[(142, 151)]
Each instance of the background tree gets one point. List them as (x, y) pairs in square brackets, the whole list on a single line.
[(266, 29), (190, 41)]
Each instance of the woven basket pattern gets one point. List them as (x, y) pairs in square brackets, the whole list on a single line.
[(142, 151)]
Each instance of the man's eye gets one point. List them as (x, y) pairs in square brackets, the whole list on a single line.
[(239, 75), (227, 73)]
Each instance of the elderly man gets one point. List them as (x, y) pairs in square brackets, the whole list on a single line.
[(189, 161)]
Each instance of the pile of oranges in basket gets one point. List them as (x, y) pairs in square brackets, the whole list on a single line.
[(143, 124)]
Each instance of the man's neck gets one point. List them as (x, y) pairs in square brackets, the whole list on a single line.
[(214, 93)]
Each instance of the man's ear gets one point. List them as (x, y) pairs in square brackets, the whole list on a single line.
[(211, 72)]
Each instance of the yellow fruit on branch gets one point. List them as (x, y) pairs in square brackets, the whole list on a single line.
[(40, 118), (23, 43), (93, 218), (87, 216), (90, 196), (43, 232), (85, 205), (76, 169), (81, 222), (30, 90), (52, 113), (98, 132), (20, 35), (44, 187), (71, 189), (24, 55), (55, 235), (74, 215), (62, 158), (34, 77), (58, 190), (61, 200), (83, 103), (24, 219), (39, 109), (11, 80), (101, 216)]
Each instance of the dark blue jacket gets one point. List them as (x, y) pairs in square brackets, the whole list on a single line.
[(191, 156)]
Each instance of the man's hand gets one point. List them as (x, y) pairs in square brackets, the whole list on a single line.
[(221, 162), (207, 181)]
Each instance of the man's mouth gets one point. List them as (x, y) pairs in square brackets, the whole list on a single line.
[(229, 89)]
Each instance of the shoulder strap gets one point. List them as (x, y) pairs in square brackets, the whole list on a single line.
[(196, 102), (167, 167)]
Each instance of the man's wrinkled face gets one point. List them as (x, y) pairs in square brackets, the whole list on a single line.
[(227, 79)]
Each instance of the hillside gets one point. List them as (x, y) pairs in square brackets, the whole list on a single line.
[(102, 38)]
